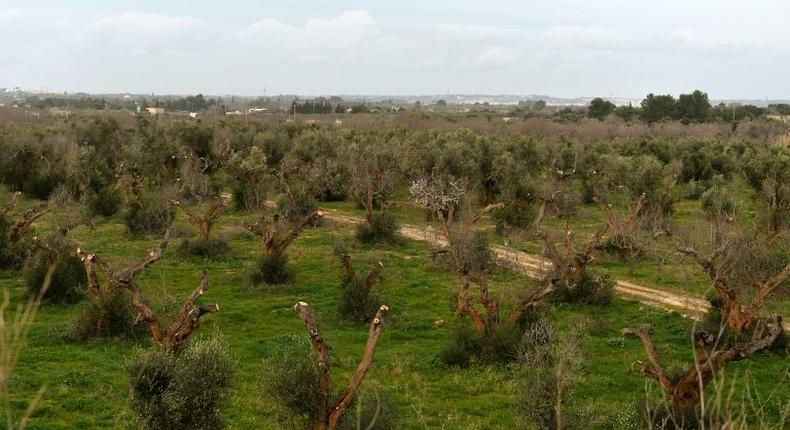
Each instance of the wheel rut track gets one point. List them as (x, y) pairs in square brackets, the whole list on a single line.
[(534, 266)]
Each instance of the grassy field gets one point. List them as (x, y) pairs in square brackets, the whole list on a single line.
[(86, 384)]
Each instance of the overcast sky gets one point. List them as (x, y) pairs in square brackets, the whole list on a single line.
[(566, 48)]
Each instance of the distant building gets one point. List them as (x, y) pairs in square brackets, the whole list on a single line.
[(779, 117), (155, 110), (256, 110)]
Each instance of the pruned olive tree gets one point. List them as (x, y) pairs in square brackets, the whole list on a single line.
[(684, 392), (623, 239), (111, 312), (568, 275), (496, 336), (198, 185), (330, 409), (745, 276), (373, 178), (168, 337), (276, 235), (13, 231)]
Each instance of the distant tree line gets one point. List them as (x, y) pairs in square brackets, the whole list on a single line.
[(687, 108), (96, 103), (323, 106)]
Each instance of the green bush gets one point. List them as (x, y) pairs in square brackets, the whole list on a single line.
[(552, 364), (498, 344), (105, 202), (290, 376), (68, 282), (382, 228), (624, 247), (358, 299), (181, 391), (272, 269), (462, 346), (294, 207), (203, 248), (113, 316), (590, 290), (357, 303), (370, 410), (152, 219)]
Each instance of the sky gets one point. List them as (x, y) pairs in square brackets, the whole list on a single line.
[(562, 48)]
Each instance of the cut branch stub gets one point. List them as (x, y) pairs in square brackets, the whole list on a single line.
[(737, 315), (173, 337), (686, 393), (328, 416)]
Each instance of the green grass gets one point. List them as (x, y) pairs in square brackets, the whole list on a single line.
[(86, 384)]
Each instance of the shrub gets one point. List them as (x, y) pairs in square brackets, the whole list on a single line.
[(152, 219), (105, 202), (717, 201), (552, 363), (113, 316), (625, 247), (249, 198), (68, 281), (290, 376), (295, 206), (203, 248), (458, 352), (358, 304), (498, 344), (272, 269), (358, 300), (370, 410), (382, 228), (180, 391), (590, 290)]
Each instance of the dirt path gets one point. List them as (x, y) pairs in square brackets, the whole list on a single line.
[(688, 305)]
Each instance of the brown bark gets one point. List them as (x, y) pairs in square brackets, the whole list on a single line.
[(486, 210), (685, 394), (271, 232), (328, 416), (570, 264), (737, 315), (22, 226), (171, 337), (212, 210), (118, 278)]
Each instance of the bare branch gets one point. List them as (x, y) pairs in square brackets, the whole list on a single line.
[(376, 326), (486, 210)]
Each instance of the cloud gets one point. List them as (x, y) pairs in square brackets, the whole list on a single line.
[(566, 48), (498, 56), (317, 39), (9, 15), (140, 33)]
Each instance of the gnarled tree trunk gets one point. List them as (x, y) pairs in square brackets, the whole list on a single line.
[(328, 415)]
